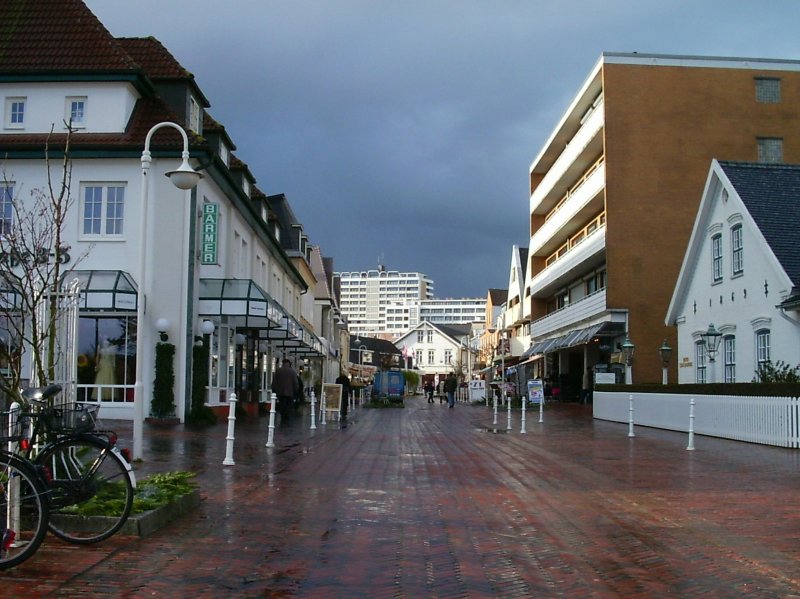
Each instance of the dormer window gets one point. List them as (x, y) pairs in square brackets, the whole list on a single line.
[(246, 187), (194, 115), (15, 113), (224, 154), (75, 112)]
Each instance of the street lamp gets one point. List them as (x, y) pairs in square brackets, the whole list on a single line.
[(666, 352), (185, 178), (627, 351), (360, 349), (711, 339)]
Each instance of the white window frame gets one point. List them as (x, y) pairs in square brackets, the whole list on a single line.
[(762, 348), (420, 336), (6, 207), (716, 257), (11, 112), (448, 356), (701, 370), (69, 115), (418, 357), (737, 250), (431, 356), (194, 115), (729, 358), (103, 218)]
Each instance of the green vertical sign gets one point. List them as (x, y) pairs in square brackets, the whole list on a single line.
[(208, 251)]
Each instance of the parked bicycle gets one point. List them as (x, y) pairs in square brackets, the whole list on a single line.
[(89, 481), (24, 504)]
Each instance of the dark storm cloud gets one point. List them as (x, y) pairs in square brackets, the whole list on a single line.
[(402, 131)]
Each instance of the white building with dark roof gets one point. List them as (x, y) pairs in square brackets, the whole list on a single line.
[(741, 273)]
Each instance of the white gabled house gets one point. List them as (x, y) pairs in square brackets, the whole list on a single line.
[(741, 273), (437, 349)]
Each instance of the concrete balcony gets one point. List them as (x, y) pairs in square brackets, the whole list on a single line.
[(580, 311), (571, 215), (571, 162), (580, 258)]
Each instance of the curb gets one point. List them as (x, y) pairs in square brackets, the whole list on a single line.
[(147, 523)]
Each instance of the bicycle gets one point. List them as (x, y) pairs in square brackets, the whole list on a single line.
[(24, 500), (89, 481)]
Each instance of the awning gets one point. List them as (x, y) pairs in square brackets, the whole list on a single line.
[(104, 289), (245, 305), (576, 337)]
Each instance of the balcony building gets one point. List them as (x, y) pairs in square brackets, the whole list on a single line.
[(614, 191)]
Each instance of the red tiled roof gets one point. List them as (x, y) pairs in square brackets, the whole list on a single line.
[(57, 35), (154, 58)]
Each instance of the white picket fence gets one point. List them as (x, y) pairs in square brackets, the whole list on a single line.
[(764, 420)]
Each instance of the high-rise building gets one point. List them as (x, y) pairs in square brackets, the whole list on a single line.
[(365, 296), (402, 316), (614, 193)]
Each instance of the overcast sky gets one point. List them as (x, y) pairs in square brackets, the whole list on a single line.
[(402, 131)]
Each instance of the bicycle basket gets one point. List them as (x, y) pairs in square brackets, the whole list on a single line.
[(80, 419)]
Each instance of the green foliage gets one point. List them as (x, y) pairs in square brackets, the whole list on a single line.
[(412, 379), (152, 492), (780, 372), (200, 413), (163, 402)]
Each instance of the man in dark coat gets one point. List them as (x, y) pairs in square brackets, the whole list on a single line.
[(285, 385), (344, 381), (450, 386)]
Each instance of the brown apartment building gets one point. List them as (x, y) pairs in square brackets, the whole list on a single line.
[(615, 189)]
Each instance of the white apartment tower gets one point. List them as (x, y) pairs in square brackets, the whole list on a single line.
[(366, 295)]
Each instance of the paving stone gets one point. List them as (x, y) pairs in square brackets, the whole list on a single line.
[(426, 502)]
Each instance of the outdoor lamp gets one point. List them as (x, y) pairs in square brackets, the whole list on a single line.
[(711, 339), (666, 352), (627, 351), (207, 327), (162, 326), (184, 178)]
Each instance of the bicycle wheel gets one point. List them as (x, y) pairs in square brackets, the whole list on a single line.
[(91, 492), (24, 508)]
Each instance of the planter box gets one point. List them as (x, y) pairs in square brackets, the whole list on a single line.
[(140, 525)]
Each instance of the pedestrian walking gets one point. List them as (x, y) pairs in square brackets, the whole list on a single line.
[(450, 386), (286, 385), (344, 381), (429, 390)]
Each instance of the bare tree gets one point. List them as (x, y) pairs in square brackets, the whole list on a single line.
[(33, 255)]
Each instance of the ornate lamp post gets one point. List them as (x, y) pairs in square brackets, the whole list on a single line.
[(711, 339), (627, 351), (184, 178), (666, 352)]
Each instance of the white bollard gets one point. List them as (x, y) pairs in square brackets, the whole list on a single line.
[(508, 424), (494, 422), (313, 410), (322, 407), (271, 428), (690, 447), (228, 461), (541, 410), (630, 416), (522, 430)]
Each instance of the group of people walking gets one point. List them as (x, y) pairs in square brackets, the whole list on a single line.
[(288, 387), (447, 390)]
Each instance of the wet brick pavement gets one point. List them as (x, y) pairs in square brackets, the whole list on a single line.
[(432, 502)]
